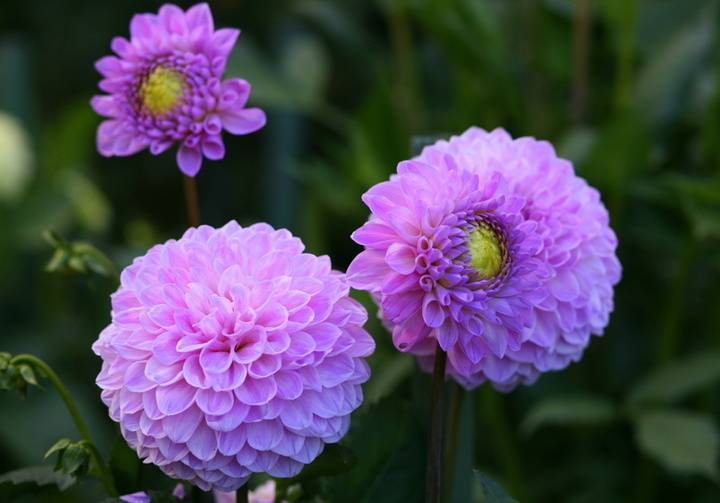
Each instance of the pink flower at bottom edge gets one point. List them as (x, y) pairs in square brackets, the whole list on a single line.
[(264, 493)]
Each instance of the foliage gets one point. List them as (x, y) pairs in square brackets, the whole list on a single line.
[(629, 90)]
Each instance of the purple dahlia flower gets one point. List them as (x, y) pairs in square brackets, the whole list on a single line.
[(230, 351), (165, 87), (494, 249)]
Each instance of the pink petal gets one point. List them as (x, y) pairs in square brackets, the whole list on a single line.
[(264, 435), (175, 398), (401, 257), (222, 42), (216, 357), (433, 313), (213, 148), (242, 121), (199, 15), (203, 443), (230, 442), (189, 160), (367, 270), (256, 391), (289, 385), (214, 402), (231, 419), (235, 93), (180, 427), (375, 235)]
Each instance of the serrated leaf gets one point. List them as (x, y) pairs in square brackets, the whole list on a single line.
[(568, 410), (492, 491), (38, 475), (676, 381), (682, 441)]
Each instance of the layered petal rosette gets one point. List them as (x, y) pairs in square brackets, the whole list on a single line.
[(164, 87), (230, 352), (494, 249)]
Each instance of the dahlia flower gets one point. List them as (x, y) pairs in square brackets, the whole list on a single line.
[(230, 352), (165, 87), (495, 250), (264, 493)]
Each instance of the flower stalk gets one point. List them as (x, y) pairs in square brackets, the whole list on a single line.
[(242, 494), (45, 370), (434, 459), (191, 201)]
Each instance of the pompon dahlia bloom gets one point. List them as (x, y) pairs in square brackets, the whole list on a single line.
[(230, 351), (496, 250), (165, 88)]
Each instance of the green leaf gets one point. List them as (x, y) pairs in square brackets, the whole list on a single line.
[(76, 460), (59, 446), (678, 380), (36, 475), (11, 379), (78, 257), (28, 374), (492, 491), (4, 360), (568, 410), (682, 441)]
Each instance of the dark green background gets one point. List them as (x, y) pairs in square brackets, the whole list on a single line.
[(628, 90)]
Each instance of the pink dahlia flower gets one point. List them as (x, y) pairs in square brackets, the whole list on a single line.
[(165, 88), (230, 351), (264, 493), (494, 249)]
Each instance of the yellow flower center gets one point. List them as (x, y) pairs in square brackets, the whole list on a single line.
[(161, 89), (486, 255)]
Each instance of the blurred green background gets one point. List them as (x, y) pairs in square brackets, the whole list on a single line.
[(628, 90)]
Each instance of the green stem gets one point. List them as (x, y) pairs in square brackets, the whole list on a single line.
[(191, 200), (241, 495), (106, 476), (434, 459)]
